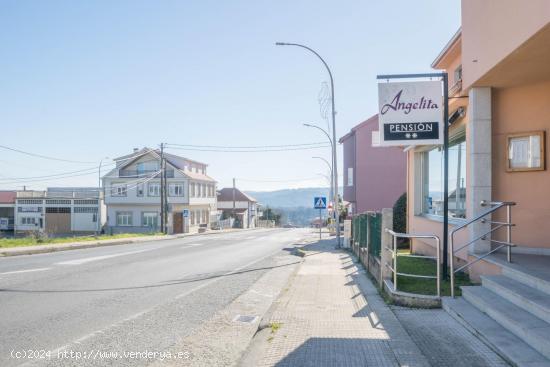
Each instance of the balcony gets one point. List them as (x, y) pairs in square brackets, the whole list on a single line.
[(125, 173)]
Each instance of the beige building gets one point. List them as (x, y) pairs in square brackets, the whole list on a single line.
[(132, 193)]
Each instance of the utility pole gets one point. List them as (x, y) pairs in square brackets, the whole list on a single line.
[(234, 199), (165, 190), (162, 187)]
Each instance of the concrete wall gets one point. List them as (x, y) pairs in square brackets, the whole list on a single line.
[(493, 29), (517, 110)]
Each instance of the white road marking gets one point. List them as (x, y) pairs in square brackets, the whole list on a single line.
[(250, 238), (97, 258), (192, 245), (24, 271)]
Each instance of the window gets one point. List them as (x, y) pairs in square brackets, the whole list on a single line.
[(29, 201), (124, 218), (192, 217), (175, 189), (58, 210), (54, 201), (85, 209), (203, 190), (28, 221), (153, 189), (85, 202), (458, 74), (192, 194), (350, 176), (149, 219), (432, 180), (118, 190), (139, 190)]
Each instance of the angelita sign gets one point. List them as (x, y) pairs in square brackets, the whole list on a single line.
[(410, 113)]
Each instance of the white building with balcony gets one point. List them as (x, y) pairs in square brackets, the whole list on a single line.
[(132, 193)]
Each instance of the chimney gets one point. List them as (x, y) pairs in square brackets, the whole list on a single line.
[(136, 150)]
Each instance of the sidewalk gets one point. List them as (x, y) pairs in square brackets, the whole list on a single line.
[(324, 319)]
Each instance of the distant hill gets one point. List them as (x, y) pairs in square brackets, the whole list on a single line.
[(295, 205), (289, 198)]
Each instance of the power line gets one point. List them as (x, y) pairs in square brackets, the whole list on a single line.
[(42, 156), (250, 151), (246, 147)]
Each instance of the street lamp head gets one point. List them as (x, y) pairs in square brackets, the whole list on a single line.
[(280, 44)]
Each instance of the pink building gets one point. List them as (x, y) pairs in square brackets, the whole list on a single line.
[(374, 177)]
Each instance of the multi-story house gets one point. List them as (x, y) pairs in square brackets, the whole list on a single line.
[(234, 202), (133, 193), (374, 176), (56, 211)]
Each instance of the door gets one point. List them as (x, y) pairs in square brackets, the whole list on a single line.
[(178, 222)]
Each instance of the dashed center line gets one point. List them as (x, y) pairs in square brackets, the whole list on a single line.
[(192, 245)]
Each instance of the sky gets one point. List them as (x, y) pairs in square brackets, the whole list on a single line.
[(90, 80)]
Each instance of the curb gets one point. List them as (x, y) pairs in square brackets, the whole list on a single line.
[(17, 251)]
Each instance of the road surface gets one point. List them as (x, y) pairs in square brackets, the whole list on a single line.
[(131, 297)]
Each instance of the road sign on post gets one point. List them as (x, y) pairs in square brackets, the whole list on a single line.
[(320, 202)]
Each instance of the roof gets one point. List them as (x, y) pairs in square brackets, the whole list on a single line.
[(454, 39), (226, 194), (370, 120), (176, 161), (7, 197)]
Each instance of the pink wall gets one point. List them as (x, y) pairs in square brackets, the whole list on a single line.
[(380, 173)]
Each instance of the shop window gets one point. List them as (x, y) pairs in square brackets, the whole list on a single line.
[(432, 180)]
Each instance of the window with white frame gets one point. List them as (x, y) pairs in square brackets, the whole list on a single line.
[(203, 190), (139, 189), (153, 189), (124, 218), (149, 219), (28, 221), (175, 189), (350, 176), (432, 164), (118, 189), (192, 189)]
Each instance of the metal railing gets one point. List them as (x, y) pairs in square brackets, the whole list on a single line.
[(393, 250), (496, 205)]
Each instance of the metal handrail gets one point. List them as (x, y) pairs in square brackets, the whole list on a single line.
[(496, 205), (396, 235)]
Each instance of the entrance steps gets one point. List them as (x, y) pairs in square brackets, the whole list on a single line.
[(510, 313)]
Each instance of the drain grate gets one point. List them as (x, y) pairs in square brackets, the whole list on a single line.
[(248, 319)]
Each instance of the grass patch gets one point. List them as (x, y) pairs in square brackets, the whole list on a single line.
[(32, 241), (274, 327), (419, 266)]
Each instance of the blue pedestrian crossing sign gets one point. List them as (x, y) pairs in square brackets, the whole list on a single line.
[(320, 202)]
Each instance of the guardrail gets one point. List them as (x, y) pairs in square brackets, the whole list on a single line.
[(393, 250), (496, 205)]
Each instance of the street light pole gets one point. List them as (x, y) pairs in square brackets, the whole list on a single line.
[(334, 160), (331, 167), (331, 176)]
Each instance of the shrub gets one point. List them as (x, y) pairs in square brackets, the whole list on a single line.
[(400, 219)]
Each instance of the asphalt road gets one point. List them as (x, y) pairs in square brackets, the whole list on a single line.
[(122, 298)]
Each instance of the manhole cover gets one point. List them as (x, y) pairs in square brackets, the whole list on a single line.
[(245, 318)]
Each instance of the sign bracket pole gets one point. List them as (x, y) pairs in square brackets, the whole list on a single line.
[(444, 77)]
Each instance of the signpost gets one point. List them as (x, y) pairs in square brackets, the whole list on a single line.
[(417, 113), (320, 202)]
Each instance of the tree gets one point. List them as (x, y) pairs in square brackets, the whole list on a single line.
[(269, 214)]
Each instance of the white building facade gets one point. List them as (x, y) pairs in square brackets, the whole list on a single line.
[(133, 194), (234, 203), (58, 211)]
